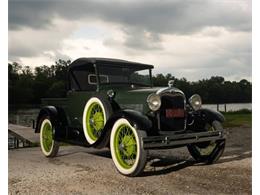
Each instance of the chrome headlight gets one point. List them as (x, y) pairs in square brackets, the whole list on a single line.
[(195, 101), (154, 101)]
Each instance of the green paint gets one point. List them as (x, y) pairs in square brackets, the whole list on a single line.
[(125, 146), (131, 98), (76, 104), (126, 97)]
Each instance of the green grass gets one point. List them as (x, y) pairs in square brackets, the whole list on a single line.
[(239, 118)]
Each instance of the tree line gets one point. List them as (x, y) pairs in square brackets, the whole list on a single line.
[(28, 86)]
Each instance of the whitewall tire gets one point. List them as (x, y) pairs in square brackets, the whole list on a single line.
[(126, 149), (49, 146), (94, 119)]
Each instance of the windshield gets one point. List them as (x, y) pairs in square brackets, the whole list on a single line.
[(124, 75)]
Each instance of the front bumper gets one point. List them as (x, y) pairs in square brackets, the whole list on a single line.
[(179, 140)]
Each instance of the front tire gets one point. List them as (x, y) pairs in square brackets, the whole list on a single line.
[(49, 146), (96, 112), (208, 152), (127, 152)]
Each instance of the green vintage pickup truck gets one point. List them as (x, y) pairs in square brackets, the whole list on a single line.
[(112, 103)]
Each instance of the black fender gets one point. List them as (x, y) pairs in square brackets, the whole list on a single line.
[(58, 118), (135, 118), (211, 115)]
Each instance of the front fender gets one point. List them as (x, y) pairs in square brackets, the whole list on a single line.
[(135, 118), (211, 115)]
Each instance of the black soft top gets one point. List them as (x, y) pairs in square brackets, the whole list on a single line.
[(85, 63)]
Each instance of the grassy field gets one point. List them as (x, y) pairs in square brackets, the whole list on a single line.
[(239, 118)]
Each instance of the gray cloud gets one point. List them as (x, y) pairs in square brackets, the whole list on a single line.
[(40, 26), (230, 57), (136, 39), (137, 18), (163, 17), (27, 13), (27, 42), (142, 40)]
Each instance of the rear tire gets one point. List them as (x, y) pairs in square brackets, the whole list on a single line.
[(49, 146), (208, 152), (127, 152)]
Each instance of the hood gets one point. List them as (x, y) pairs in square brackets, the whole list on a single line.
[(158, 90), (136, 99)]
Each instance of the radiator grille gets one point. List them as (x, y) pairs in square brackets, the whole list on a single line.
[(172, 112)]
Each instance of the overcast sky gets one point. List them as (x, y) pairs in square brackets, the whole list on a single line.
[(195, 39)]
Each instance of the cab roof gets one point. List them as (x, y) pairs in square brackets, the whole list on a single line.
[(85, 63)]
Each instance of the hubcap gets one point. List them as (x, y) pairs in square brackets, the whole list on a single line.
[(95, 121), (125, 146)]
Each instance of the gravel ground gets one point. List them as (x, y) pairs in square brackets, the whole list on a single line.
[(79, 170)]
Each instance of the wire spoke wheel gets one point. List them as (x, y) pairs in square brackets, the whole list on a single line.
[(47, 140), (96, 112), (95, 121), (48, 145), (125, 146), (210, 151), (206, 149), (127, 152)]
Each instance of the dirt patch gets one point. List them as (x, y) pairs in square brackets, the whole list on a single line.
[(80, 170)]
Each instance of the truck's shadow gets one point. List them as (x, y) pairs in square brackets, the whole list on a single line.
[(102, 153), (158, 164), (168, 164), (230, 156)]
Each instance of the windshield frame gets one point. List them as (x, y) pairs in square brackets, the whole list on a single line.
[(97, 67)]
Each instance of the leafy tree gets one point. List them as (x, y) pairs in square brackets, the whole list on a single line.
[(57, 89), (28, 86)]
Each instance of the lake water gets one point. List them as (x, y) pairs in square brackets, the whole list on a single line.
[(25, 116), (229, 107)]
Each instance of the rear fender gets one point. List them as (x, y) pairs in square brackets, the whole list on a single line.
[(135, 118), (58, 118), (50, 111)]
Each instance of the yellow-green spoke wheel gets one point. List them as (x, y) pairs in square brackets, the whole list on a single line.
[(48, 145), (208, 152), (125, 144), (207, 148), (94, 119)]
